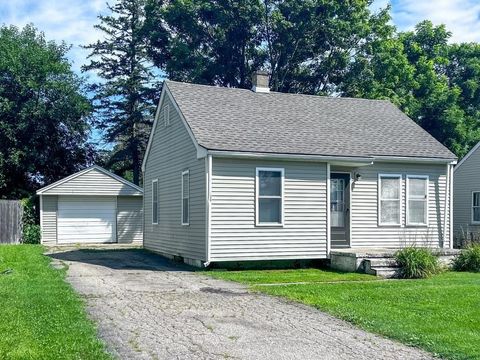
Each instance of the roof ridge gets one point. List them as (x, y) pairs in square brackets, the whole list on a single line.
[(330, 97)]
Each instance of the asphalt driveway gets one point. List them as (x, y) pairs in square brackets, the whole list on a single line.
[(147, 307)]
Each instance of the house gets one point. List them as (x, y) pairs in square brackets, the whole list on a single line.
[(91, 206), (466, 200), (238, 174)]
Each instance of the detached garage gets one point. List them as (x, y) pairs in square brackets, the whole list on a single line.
[(91, 206)]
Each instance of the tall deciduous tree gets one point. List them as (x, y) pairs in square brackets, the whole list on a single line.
[(44, 113), (435, 83), (204, 41), (305, 45), (125, 95)]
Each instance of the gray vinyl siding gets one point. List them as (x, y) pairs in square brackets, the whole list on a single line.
[(93, 182), (466, 180), (233, 234), (49, 219), (365, 230), (173, 151), (129, 219)]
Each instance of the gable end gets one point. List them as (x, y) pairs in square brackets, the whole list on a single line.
[(201, 151)]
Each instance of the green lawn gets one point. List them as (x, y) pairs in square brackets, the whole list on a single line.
[(441, 314), (253, 277), (40, 315)]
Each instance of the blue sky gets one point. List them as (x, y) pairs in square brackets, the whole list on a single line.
[(72, 20)]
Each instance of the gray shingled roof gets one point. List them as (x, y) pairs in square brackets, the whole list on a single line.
[(242, 120)]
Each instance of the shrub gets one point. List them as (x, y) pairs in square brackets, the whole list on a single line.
[(468, 259), (31, 234), (31, 230), (417, 263)]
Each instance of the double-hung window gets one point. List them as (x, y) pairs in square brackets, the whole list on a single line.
[(389, 199), (417, 200), (185, 197), (155, 201), (476, 207), (269, 196)]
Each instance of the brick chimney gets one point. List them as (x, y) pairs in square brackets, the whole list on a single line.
[(260, 80)]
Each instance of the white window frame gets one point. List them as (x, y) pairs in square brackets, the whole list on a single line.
[(379, 196), (407, 202), (186, 172), (155, 181), (166, 115), (257, 196), (471, 209)]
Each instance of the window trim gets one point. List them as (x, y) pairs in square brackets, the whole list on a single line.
[(186, 172), (407, 197), (471, 209), (379, 199), (166, 115), (155, 181), (282, 197)]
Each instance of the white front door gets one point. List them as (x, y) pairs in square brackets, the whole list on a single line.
[(86, 219)]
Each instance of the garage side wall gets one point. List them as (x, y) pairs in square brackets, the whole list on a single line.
[(49, 219), (129, 219), (172, 152)]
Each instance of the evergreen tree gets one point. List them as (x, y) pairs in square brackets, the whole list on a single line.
[(124, 97)]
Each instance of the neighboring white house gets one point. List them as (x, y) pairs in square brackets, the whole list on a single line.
[(235, 174), (91, 206), (466, 192)]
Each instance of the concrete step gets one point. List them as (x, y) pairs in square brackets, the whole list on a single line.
[(384, 271), (373, 262)]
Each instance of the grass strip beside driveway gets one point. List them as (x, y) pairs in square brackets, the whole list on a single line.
[(41, 317), (312, 275)]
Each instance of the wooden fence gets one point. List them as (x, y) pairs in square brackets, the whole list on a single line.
[(11, 212)]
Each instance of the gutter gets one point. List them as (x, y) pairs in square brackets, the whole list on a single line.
[(367, 160), (278, 156)]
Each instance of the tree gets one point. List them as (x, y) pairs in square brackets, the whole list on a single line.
[(310, 44), (305, 45), (125, 97), (207, 42), (431, 81), (44, 113)]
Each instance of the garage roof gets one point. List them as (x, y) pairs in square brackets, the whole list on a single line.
[(93, 180)]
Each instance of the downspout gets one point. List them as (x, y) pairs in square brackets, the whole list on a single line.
[(328, 211), (451, 207), (446, 207), (208, 188)]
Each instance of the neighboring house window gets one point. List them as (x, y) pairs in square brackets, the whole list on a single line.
[(155, 201), (166, 115), (417, 200), (389, 199), (185, 197), (476, 207), (269, 196)]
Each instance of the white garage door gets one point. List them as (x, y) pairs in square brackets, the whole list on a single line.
[(86, 219)]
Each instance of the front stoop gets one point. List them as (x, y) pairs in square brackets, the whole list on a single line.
[(378, 262)]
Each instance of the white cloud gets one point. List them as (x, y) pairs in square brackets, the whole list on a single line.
[(461, 17), (61, 20)]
